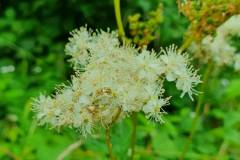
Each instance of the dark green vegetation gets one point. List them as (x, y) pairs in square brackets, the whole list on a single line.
[(32, 60)]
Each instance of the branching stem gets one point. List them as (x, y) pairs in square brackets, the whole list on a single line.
[(122, 35), (133, 136), (197, 110), (108, 134), (109, 144), (222, 150), (69, 150)]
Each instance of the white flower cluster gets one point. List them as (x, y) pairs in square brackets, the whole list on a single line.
[(117, 80), (219, 48)]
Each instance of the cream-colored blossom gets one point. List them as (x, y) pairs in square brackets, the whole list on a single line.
[(218, 48), (178, 69), (153, 108), (116, 81)]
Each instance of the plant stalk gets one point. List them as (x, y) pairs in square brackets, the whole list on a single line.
[(109, 144), (197, 110), (133, 136), (69, 150), (122, 35), (186, 44), (222, 149), (119, 19)]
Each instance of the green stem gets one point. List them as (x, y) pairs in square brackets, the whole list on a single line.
[(186, 43), (109, 144), (122, 35), (69, 150), (179, 5), (133, 136), (118, 18), (222, 149), (108, 134), (197, 110)]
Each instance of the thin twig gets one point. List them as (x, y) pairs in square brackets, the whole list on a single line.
[(133, 136), (7, 152), (197, 110), (109, 144), (222, 149), (186, 43), (69, 150), (108, 134)]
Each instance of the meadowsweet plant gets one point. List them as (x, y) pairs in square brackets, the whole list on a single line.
[(122, 100), (212, 38), (206, 15), (113, 81), (220, 48)]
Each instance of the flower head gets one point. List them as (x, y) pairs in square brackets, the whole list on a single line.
[(117, 80), (219, 48), (178, 69)]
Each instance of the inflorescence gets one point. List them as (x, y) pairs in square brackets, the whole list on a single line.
[(219, 48), (112, 81)]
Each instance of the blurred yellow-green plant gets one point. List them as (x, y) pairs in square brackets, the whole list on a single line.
[(144, 30)]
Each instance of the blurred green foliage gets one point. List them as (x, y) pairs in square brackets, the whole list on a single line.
[(32, 38)]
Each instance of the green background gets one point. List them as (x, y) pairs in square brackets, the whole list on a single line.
[(32, 39)]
